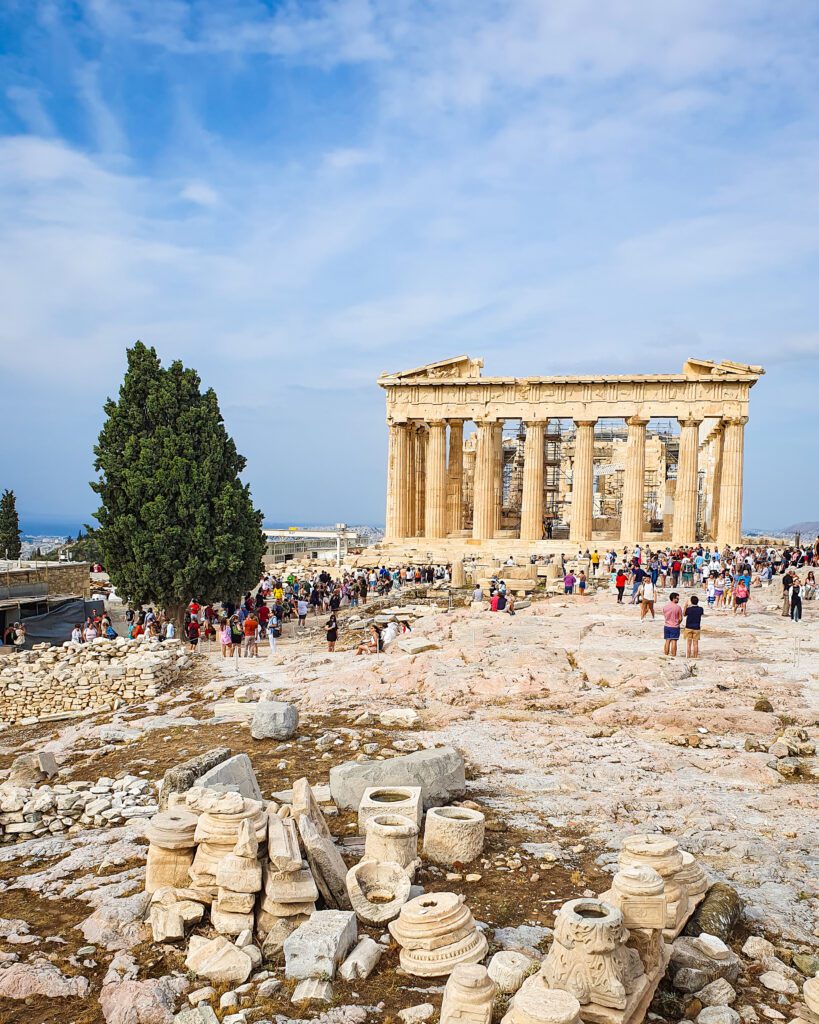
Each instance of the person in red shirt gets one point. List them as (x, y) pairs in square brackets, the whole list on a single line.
[(193, 634), (620, 584), (672, 617), (251, 626)]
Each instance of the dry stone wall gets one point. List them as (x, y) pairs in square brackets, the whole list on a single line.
[(50, 681), (27, 812)]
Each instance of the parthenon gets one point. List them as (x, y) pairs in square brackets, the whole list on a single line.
[(626, 458)]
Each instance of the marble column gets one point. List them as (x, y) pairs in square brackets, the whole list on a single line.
[(455, 476), (531, 509), (436, 521), (684, 529), (421, 440), (583, 482), (483, 491), (730, 502), (404, 440), (634, 478), (412, 480), (717, 442), (469, 487), (498, 481), (392, 449)]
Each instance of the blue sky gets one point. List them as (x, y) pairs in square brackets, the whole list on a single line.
[(293, 197)]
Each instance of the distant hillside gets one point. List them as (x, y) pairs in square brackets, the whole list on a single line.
[(808, 529)]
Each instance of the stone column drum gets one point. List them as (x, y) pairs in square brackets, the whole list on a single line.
[(535, 1003), (437, 932), (392, 837), (469, 996), (170, 854), (453, 835)]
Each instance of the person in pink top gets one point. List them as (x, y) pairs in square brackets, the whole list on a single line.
[(672, 617)]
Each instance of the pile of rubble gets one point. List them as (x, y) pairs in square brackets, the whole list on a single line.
[(47, 682), (29, 812), (269, 881), (790, 752)]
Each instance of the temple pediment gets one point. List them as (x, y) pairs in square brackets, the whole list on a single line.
[(724, 368), (456, 368)]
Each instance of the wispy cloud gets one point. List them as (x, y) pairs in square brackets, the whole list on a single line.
[(302, 195)]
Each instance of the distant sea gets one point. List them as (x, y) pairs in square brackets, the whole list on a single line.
[(53, 526), (65, 526)]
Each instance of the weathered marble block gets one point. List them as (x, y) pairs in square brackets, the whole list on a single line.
[(316, 949)]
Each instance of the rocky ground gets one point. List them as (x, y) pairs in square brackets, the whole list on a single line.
[(576, 731)]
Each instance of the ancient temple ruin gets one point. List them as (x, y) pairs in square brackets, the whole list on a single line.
[(621, 458)]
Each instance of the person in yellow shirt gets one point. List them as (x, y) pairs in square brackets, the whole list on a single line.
[(595, 562)]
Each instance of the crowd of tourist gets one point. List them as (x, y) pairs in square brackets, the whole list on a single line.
[(713, 580), (725, 579)]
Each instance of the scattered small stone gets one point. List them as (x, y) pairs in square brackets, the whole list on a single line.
[(416, 1014), (717, 1015), (776, 982), (717, 993)]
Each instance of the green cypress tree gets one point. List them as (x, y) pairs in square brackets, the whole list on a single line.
[(10, 545), (176, 522)]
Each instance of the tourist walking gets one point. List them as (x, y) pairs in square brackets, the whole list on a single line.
[(332, 632), (647, 595), (796, 600), (251, 629), (741, 595), (620, 584), (787, 581), (226, 638), (236, 636), (672, 617), (192, 634), (273, 631)]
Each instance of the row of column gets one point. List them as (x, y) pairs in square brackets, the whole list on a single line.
[(425, 481)]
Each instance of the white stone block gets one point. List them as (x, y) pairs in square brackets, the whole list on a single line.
[(316, 948)]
